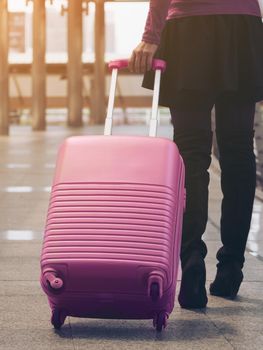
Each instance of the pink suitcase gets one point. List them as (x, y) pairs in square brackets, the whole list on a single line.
[(114, 223)]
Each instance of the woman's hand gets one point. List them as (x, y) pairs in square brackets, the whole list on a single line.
[(141, 58)]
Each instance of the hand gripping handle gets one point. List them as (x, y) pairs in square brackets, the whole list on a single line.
[(120, 64), (159, 66)]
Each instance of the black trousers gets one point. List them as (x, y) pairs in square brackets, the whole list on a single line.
[(191, 119)]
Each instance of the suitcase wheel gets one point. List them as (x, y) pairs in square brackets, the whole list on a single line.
[(160, 321), (57, 318)]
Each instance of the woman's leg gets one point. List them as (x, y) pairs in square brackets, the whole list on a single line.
[(235, 138), (191, 119)]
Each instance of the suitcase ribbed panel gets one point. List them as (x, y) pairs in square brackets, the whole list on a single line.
[(110, 221)]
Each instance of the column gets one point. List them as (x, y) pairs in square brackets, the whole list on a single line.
[(39, 66), (98, 107), (75, 48), (4, 86)]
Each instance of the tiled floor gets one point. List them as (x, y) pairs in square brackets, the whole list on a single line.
[(26, 168)]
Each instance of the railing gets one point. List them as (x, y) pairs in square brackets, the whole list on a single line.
[(18, 100)]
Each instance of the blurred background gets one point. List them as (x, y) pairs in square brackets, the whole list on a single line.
[(74, 40), (53, 65)]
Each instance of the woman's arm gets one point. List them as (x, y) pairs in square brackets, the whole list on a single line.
[(142, 56), (155, 22)]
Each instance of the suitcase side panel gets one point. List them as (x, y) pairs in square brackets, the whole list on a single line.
[(115, 235)]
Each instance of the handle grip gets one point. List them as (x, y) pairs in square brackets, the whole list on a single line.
[(159, 66), (123, 63)]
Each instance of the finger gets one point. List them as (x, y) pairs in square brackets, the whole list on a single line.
[(131, 62), (144, 62), (149, 62), (137, 62)]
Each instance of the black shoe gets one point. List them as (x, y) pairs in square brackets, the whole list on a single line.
[(192, 293), (227, 281)]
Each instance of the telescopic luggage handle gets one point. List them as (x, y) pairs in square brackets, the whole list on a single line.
[(159, 66), (123, 63)]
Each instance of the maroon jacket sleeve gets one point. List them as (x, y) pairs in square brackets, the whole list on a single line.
[(155, 22)]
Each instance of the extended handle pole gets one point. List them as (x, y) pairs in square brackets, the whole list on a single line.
[(159, 66), (108, 122), (155, 103)]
